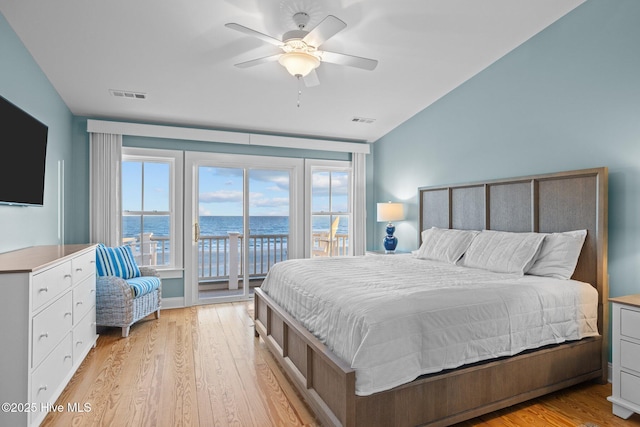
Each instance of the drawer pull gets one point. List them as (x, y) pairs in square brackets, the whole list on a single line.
[(79, 303), (44, 289), (79, 343), (42, 388), (68, 356), (67, 276), (45, 335), (78, 269), (67, 314)]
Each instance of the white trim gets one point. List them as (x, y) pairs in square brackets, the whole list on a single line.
[(175, 160), (226, 137), (174, 302), (308, 144), (310, 165), (170, 273)]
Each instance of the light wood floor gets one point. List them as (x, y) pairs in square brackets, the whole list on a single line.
[(202, 366)]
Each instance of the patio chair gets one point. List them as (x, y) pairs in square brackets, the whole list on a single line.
[(326, 243), (146, 251), (125, 293)]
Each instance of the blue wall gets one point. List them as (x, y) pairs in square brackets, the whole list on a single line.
[(569, 98), (23, 83)]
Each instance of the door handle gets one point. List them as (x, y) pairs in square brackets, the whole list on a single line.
[(196, 232)]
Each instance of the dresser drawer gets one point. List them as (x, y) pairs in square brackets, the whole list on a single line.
[(48, 284), (630, 388), (84, 298), (83, 266), (630, 323), (50, 326), (630, 355), (84, 335), (47, 378)]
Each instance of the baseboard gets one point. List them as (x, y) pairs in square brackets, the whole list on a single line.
[(175, 302)]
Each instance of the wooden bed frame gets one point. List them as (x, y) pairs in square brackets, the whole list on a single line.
[(544, 203)]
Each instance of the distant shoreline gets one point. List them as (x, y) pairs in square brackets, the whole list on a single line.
[(221, 225)]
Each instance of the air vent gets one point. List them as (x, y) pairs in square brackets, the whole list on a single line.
[(362, 120), (128, 94)]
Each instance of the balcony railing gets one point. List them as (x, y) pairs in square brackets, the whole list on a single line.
[(221, 258), (216, 255)]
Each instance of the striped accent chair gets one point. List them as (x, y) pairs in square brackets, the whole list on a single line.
[(125, 292)]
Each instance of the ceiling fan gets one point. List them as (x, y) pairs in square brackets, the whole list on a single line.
[(300, 54)]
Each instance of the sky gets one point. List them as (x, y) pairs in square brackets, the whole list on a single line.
[(221, 190)]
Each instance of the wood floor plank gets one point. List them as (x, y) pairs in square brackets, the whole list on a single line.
[(202, 366), (204, 382), (177, 405), (135, 377), (223, 371), (236, 359), (238, 340), (143, 403)]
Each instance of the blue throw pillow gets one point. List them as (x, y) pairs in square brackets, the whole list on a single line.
[(118, 261)]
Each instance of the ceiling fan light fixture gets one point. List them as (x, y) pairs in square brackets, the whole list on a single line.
[(298, 63)]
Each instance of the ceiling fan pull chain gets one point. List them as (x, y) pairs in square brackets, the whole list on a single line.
[(299, 90)]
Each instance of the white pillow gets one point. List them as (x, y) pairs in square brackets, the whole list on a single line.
[(502, 251), (559, 254), (446, 245)]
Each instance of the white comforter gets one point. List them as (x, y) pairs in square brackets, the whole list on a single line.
[(394, 318)]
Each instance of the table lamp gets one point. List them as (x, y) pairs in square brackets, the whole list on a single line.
[(390, 212)]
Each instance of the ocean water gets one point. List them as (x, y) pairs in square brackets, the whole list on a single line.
[(221, 225), (214, 260)]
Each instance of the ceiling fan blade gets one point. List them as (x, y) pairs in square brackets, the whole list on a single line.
[(322, 32), (350, 60), (258, 61), (254, 33), (311, 79)]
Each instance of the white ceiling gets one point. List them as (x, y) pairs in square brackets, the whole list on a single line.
[(181, 55)]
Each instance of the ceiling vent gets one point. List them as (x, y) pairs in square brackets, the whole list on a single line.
[(128, 94), (362, 120)]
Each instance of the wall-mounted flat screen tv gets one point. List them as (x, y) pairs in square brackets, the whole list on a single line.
[(23, 150)]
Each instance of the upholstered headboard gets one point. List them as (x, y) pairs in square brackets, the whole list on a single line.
[(564, 201)]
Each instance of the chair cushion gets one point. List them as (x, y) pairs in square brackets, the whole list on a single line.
[(143, 285), (116, 261)]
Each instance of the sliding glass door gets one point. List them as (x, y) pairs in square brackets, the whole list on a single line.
[(243, 220)]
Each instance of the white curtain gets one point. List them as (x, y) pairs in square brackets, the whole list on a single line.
[(106, 213), (358, 161)]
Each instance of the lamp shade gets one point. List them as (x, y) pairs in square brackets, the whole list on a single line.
[(390, 212), (298, 63)]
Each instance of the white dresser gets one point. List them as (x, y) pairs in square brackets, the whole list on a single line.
[(626, 355), (47, 327)]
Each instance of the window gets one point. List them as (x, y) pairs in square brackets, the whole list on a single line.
[(151, 211), (330, 208)]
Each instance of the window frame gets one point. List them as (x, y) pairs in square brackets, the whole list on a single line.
[(175, 161), (315, 165)]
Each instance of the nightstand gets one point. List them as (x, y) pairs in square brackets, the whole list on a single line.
[(625, 355)]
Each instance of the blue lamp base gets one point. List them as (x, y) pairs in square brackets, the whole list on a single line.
[(390, 241)]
